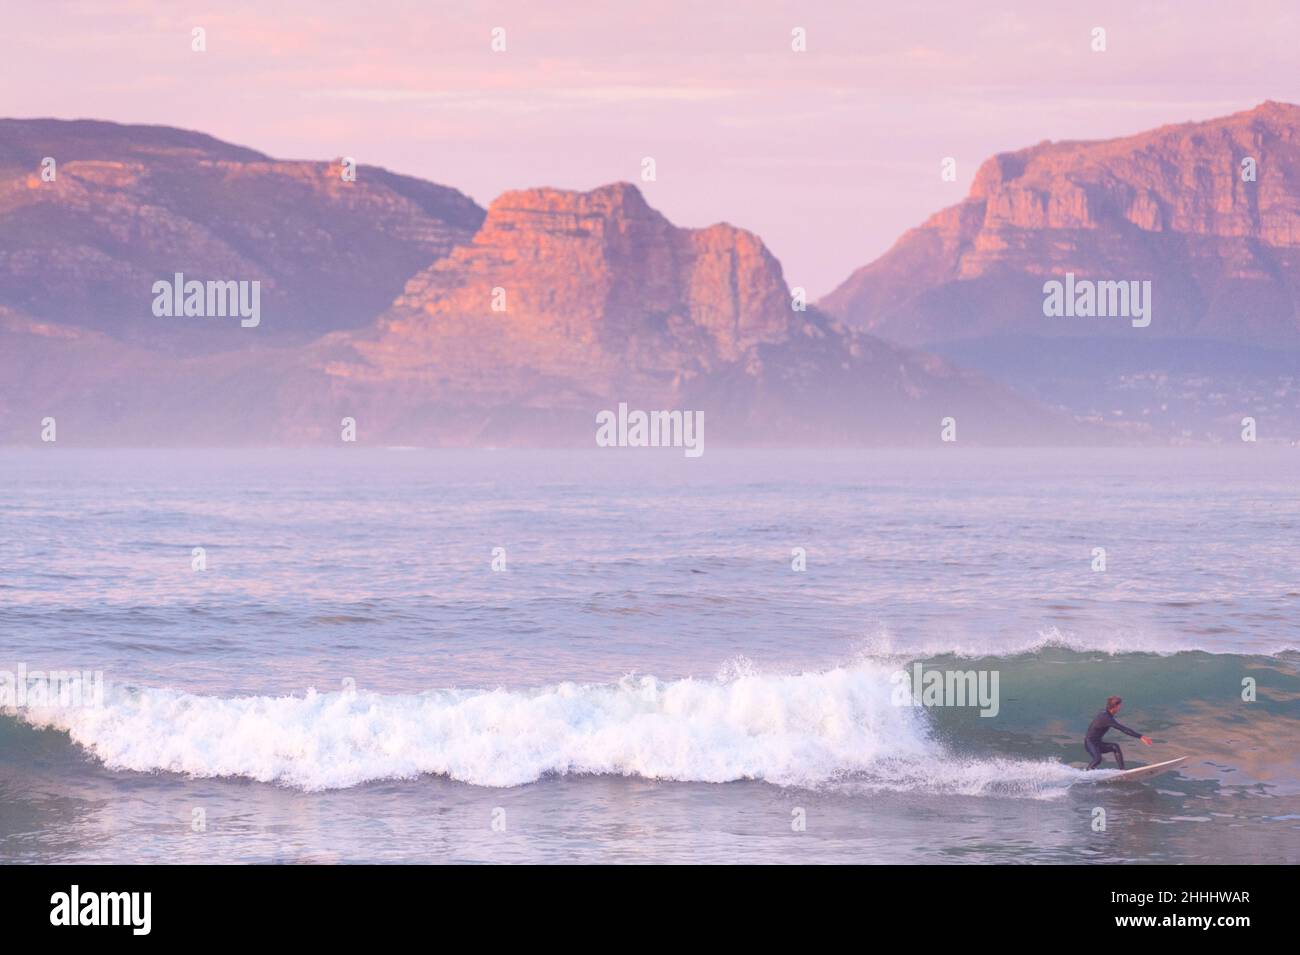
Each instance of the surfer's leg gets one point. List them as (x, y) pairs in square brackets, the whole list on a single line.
[(1119, 754), (1094, 752)]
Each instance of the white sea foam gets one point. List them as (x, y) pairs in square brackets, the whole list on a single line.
[(965, 776), (801, 729)]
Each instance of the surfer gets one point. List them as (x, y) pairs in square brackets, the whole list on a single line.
[(1093, 742)]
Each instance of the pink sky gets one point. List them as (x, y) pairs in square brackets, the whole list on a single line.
[(829, 155)]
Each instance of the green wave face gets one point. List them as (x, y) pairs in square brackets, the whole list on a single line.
[(1190, 704)]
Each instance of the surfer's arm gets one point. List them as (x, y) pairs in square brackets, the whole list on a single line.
[(1124, 729)]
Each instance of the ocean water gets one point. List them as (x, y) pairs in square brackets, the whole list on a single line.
[(648, 678)]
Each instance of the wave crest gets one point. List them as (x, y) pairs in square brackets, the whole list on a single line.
[(801, 729)]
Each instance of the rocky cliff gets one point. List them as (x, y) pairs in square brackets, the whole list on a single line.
[(1174, 205), (1208, 213), (130, 205), (566, 303)]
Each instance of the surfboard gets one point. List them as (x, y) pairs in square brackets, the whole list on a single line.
[(1144, 772)]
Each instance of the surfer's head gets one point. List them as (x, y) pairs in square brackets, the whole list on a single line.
[(1113, 703)]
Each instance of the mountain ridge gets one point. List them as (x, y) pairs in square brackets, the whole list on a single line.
[(1168, 204), (130, 205), (1175, 207), (603, 299), (380, 293)]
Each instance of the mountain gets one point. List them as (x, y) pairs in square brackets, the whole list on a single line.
[(379, 306), (606, 301), (1175, 207), (131, 205)]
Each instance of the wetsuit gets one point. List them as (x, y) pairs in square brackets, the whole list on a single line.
[(1097, 747)]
